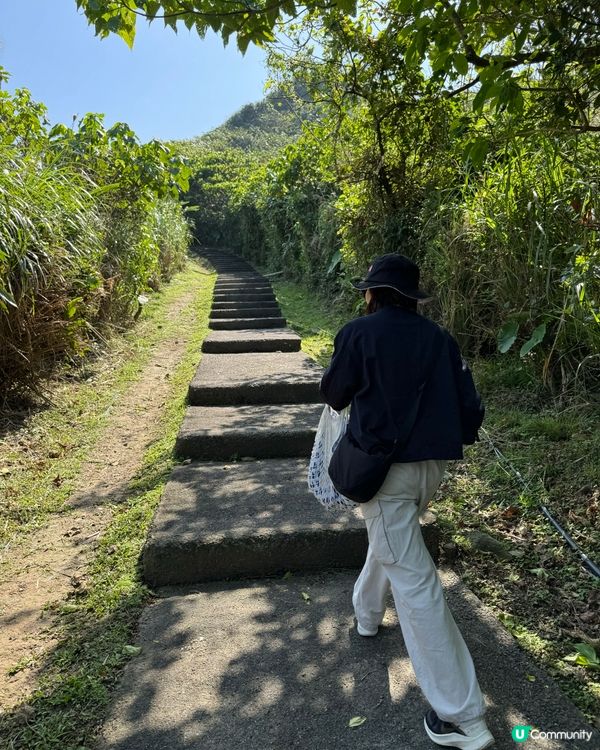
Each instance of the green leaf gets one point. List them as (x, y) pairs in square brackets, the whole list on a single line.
[(461, 64), (288, 7), (72, 307), (356, 721), (105, 189), (242, 43), (305, 596), (588, 652), (539, 572), (6, 299), (536, 337), (490, 73), (132, 650), (586, 656), (348, 6), (480, 97), (477, 150), (170, 20), (152, 8), (335, 262), (507, 335)]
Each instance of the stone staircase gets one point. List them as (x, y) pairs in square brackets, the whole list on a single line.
[(241, 508), (251, 641)]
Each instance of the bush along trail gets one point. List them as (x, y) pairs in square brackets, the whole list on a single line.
[(89, 222), (81, 478), (229, 657)]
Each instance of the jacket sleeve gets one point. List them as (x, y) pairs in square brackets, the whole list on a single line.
[(472, 410), (341, 379)]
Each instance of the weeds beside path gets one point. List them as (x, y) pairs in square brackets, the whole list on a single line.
[(494, 534), (81, 480)]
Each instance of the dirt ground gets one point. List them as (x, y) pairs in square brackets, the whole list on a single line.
[(53, 561)]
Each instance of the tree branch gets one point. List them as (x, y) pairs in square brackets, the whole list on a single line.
[(466, 87)]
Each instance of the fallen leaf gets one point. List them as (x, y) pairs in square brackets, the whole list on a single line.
[(531, 677), (305, 596), (357, 721), (287, 575), (132, 650)]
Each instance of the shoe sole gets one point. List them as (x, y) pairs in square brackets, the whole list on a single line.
[(460, 741)]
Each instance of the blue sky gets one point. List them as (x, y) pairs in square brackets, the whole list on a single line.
[(169, 86)]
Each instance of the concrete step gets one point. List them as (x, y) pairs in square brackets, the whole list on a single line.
[(277, 663), (260, 340), (221, 267), (242, 283), (255, 378), (236, 263), (237, 291), (241, 276), (241, 304), (243, 289), (248, 312), (237, 296), (257, 278), (220, 433), (246, 520), (242, 324), (233, 269)]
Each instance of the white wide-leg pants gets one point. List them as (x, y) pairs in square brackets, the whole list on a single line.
[(397, 558)]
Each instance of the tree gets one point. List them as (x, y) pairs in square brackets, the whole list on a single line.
[(501, 49), (252, 21)]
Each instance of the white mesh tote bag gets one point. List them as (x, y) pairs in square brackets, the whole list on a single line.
[(332, 426)]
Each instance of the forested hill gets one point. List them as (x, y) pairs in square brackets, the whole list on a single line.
[(231, 157), (262, 127)]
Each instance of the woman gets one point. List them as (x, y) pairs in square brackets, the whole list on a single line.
[(380, 365)]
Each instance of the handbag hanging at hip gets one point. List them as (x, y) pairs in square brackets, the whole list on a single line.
[(356, 474)]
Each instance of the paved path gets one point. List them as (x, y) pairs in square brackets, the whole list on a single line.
[(276, 663), (258, 665)]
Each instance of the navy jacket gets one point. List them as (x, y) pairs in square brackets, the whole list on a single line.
[(378, 363)]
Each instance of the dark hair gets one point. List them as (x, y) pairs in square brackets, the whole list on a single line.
[(385, 296)]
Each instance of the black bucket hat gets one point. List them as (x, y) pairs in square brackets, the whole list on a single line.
[(396, 272)]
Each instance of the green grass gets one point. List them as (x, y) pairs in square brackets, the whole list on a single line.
[(97, 626), (541, 592), (39, 470), (311, 318)]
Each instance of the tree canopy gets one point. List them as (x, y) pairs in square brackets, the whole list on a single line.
[(501, 49)]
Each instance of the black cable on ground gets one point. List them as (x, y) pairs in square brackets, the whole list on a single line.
[(590, 566)]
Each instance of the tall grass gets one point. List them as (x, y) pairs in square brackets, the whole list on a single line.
[(89, 220), (517, 247), (50, 251)]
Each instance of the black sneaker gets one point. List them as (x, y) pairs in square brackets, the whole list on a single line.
[(469, 735)]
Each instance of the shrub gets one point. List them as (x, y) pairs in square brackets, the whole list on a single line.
[(88, 220)]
